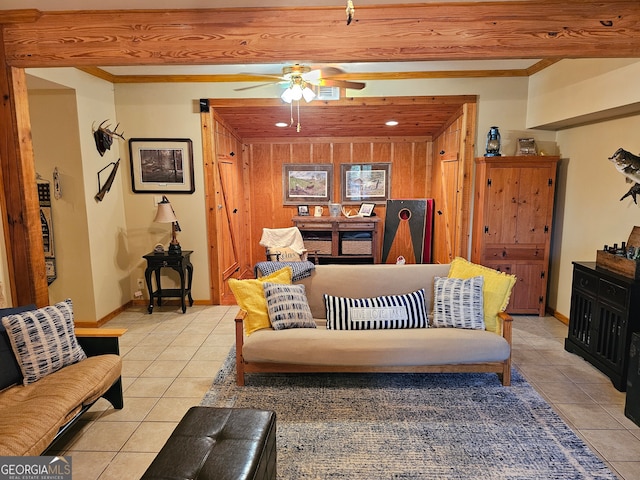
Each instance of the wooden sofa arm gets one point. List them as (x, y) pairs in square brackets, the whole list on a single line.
[(98, 341), (239, 343), (506, 322)]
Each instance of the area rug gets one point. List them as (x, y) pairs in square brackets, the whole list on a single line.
[(410, 426)]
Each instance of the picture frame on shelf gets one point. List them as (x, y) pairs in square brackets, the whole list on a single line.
[(161, 165), (365, 182), (303, 210), (306, 183), (366, 209)]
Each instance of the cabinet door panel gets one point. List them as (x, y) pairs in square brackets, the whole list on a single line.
[(610, 335), (502, 212), (580, 322), (525, 297), (533, 205)]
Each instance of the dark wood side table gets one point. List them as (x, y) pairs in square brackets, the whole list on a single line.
[(181, 263)]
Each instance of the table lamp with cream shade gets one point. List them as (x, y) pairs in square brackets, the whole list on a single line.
[(165, 214)]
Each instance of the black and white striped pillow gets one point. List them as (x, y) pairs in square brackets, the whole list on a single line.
[(43, 340), (458, 303), (391, 311)]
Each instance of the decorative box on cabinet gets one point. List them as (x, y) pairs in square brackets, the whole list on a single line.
[(605, 311), (341, 239), (512, 222)]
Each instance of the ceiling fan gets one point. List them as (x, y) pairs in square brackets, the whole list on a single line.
[(297, 77)]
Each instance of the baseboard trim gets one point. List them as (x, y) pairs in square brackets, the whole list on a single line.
[(563, 318)]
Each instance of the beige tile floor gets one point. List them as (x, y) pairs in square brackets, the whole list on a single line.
[(170, 359)]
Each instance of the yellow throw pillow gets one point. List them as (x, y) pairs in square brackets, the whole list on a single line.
[(496, 291), (250, 297)]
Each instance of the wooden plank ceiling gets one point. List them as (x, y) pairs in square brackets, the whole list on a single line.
[(353, 117)]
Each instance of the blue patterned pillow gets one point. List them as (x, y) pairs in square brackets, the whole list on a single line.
[(43, 340), (287, 306), (458, 303), (391, 311)]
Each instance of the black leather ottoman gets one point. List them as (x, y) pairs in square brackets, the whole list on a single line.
[(221, 444)]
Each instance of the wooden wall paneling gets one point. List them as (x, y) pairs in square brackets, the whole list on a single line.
[(361, 152), (282, 153), (321, 153), (382, 152), (264, 198), (264, 171), (402, 175), (300, 153)]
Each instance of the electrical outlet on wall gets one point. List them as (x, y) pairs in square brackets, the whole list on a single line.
[(140, 284)]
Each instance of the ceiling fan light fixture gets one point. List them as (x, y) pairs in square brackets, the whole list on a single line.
[(296, 92), (281, 124), (287, 95), (391, 123), (308, 94)]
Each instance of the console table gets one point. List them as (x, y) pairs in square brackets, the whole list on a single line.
[(335, 239), (181, 263), (605, 311)]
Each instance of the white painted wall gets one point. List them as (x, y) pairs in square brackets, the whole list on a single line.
[(56, 144), (588, 211), (104, 253)]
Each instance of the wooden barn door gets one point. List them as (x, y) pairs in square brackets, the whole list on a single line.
[(225, 200), (446, 208)]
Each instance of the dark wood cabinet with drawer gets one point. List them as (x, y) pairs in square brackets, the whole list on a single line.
[(605, 311)]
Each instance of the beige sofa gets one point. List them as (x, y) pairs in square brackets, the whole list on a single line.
[(32, 417), (397, 350)]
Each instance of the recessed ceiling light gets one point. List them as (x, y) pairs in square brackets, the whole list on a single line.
[(282, 124), (391, 123)]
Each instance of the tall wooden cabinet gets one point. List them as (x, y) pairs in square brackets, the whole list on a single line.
[(512, 222)]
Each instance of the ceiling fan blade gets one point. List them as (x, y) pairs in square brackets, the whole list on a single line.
[(261, 76), (319, 73), (250, 87), (330, 82), (329, 71)]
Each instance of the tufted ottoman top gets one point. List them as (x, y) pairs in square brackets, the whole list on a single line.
[(221, 444)]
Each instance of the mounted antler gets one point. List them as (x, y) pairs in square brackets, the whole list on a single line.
[(104, 137)]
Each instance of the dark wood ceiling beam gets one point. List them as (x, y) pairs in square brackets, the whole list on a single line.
[(410, 32)]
